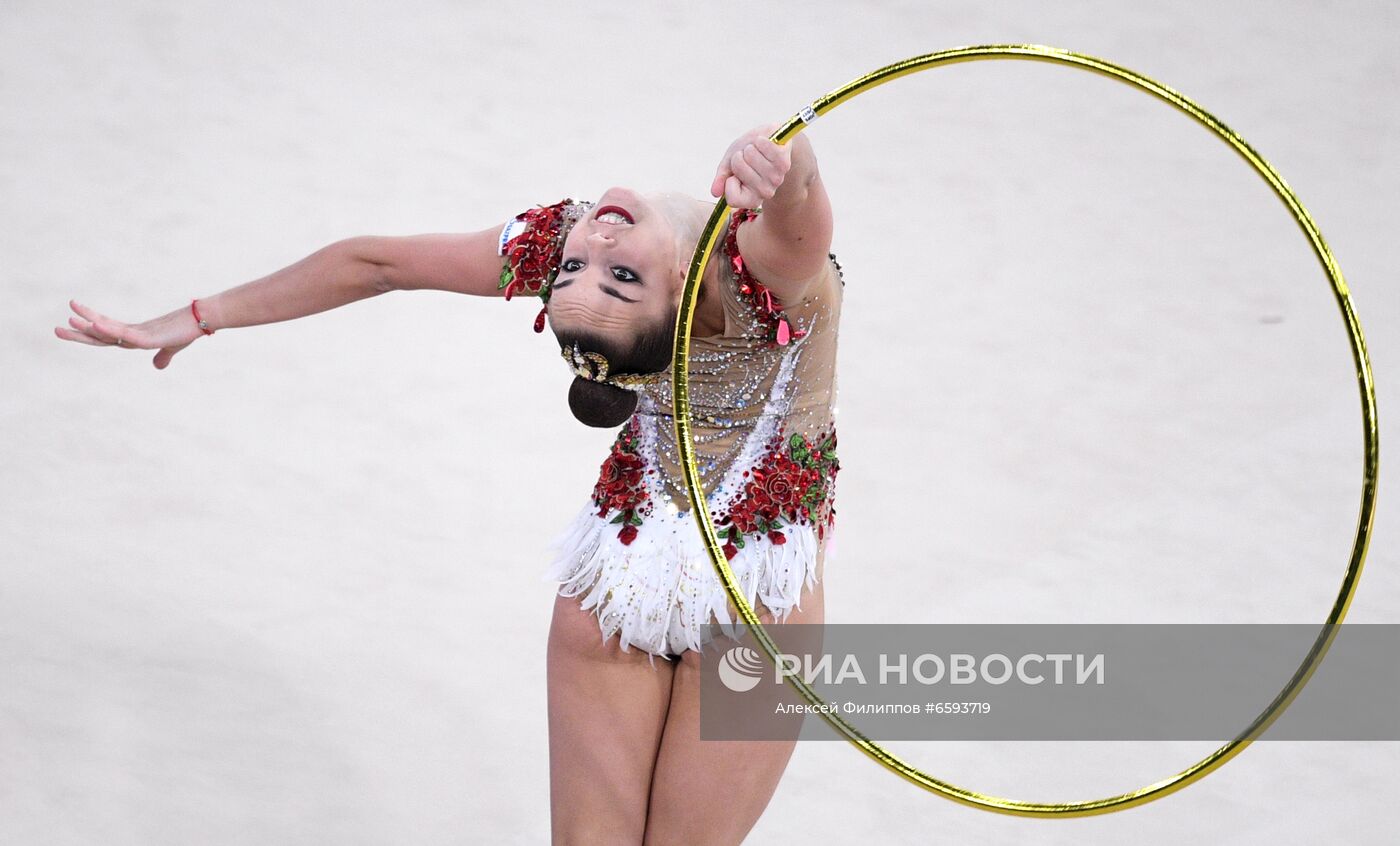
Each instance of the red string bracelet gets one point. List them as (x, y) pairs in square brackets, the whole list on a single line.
[(203, 327)]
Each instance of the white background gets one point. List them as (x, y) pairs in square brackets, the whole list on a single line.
[(289, 590)]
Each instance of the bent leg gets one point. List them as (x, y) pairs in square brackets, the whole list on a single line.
[(713, 791), (607, 710)]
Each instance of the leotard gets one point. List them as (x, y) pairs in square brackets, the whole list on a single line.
[(762, 398)]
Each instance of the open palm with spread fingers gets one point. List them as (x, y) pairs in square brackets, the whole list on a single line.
[(169, 333)]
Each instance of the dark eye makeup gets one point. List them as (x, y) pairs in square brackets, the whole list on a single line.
[(571, 265), (607, 289)]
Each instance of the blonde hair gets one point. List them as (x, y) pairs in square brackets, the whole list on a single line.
[(687, 216)]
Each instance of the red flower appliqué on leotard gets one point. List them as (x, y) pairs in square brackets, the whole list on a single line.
[(792, 484), (620, 485)]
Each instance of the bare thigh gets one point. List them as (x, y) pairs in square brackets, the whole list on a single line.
[(713, 791), (607, 710)]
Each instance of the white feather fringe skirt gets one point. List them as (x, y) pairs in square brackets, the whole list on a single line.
[(661, 591)]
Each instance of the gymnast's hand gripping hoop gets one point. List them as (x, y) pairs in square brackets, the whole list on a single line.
[(685, 446)]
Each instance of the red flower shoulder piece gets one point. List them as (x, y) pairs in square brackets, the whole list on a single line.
[(766, 306), (532, 253)]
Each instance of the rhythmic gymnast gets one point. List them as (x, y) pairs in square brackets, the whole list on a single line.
[(634, 581)]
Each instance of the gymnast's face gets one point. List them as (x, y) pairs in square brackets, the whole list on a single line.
[(620, 269)]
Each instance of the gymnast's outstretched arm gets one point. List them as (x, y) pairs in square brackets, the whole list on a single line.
[(340, 273)]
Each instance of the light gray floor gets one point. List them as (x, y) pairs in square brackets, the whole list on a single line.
[(289, 591)]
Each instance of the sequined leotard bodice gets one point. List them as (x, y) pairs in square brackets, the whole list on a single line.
[(747, 392), (762, 395)]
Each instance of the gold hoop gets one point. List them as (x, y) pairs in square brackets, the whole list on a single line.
[(685, 446)]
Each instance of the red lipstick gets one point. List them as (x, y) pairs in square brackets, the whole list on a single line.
[(611, 208)]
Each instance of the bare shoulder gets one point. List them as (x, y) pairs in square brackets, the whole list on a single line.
[(787, 248)]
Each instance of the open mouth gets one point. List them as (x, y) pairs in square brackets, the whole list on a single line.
[(613, 214)]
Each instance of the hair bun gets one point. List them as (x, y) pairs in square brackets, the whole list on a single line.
[(600, 405)]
